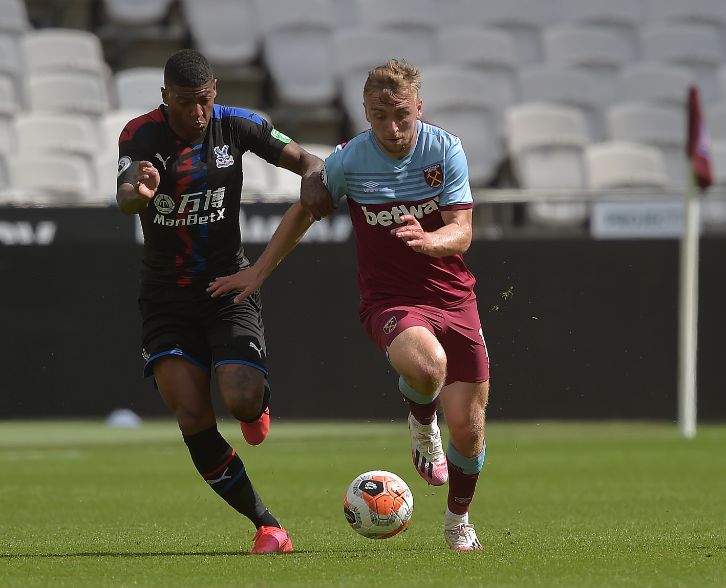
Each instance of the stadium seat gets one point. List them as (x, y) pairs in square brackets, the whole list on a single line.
[(693, 47), (112, 123), (54, 50), (105, 166), (713, 204), (8, 95), (355, 52), (56, 133), (225, 31), (14, 17), (618, 164), (600, 53), (318, 149), (651, 124), (7, 134), (619, 17), (460, 101), (69, 92), (546, 142), (10, 55), (570, 87), (715, 120), (490, 51), (658, 83), (524, 19), (139, 88), (413, 20), (259, 177), (707, 13), (297, 49), (61, 179), (721, 81), (137, 12)]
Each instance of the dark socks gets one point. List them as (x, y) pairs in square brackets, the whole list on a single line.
[(461, 489), (223, 470), (423, 413)]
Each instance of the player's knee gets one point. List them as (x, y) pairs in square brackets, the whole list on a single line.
[(245, 402)]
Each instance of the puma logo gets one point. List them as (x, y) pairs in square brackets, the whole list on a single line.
[(257, 349), (224, 476), (162, 160)]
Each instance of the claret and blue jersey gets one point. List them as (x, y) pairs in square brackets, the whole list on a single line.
[(380, 190), (191, 227)]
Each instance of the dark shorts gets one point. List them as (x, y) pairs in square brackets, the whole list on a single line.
[(457, 329), (207, 331)]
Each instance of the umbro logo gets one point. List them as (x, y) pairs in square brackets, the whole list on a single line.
[(370, 186)]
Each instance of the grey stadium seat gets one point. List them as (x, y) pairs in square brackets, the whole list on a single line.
[(49, 132), (655, 125), (52, 50), (619, 164), (139, 88), (659, 83), (69, 92)]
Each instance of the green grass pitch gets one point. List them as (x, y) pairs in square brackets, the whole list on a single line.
[(558, 505)]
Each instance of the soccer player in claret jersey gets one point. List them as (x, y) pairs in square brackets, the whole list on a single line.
[(180, 169), (410, 203)]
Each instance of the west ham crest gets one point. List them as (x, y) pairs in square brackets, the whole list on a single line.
[(390, 326), (434, 175)]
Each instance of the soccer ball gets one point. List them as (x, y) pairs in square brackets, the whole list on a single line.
[(378, 504)]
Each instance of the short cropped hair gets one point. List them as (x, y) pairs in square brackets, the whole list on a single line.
[(395, 79), (187, 68)]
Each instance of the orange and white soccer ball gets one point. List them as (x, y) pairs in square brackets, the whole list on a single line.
[(378, 504)]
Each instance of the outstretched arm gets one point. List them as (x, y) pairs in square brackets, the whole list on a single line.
[(291, 229)]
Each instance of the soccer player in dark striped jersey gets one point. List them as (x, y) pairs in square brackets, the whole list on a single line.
[(180, 169), (410, 203)]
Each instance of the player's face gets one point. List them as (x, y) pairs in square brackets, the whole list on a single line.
[(394, 121), (190, 109)]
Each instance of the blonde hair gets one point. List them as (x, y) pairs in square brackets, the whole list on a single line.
[(394, 79)]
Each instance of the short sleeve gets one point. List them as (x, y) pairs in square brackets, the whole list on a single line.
[(456, 173), (335, 176), (254, 133), (128, 153)]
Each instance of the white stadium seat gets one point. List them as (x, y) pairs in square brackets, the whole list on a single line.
[(137, 12), (659, 83), (225, 31), (651, 124), (618, 164), (53, 50), (709, 13), (619, 17), (112, 123), (139, 88), (259, 176), (40, 132), (715, 120), (7, 134), (599, 53), (297, 49), (69, 92), (570, 87), (14, 17), (524, 19), (460, 101), (490, 51), (713, 208), (413, 20), (697, 48), (546, 142), (61, 178)]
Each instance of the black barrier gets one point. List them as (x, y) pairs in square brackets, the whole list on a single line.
[(576, 328)]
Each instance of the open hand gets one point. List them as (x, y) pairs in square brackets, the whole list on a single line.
[(412, 234), (246, 281)]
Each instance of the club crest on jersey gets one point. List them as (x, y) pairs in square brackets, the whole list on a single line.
[(434, 175), (390, 325), (224, 159)]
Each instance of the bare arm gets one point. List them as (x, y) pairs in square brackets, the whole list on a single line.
[(314, 197), (291, 229), (451, 239), (132, 197)]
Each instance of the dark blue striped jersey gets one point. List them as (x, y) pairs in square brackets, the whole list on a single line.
[(191, 227)]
